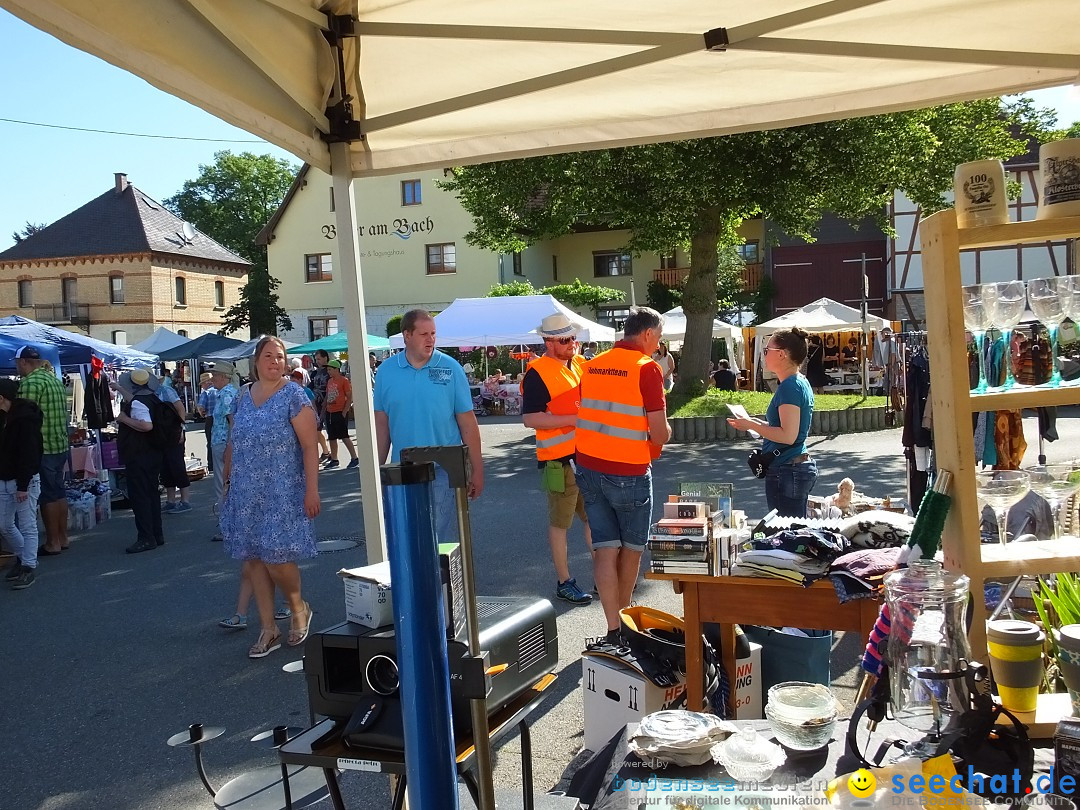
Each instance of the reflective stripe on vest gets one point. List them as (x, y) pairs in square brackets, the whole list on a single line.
[(612, 423), (561, 382)]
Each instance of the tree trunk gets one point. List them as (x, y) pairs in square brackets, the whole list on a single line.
[(699, 304)]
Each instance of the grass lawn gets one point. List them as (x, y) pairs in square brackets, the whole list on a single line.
[(714, 402)]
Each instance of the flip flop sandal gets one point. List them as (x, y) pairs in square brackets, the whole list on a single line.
[(282, 613), (266, 644)]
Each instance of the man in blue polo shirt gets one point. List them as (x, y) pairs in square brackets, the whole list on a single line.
[(422, 399)]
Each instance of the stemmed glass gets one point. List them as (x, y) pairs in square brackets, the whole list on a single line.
[(977, 321), (1056, 483), (1005, 301), (1000, 489), (1070, 305), (1044, 297)]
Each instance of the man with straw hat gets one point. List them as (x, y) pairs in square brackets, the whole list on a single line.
[(205, 406), (142, 459), (550, 398), (225, 383)]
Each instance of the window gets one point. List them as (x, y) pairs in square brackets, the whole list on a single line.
[(517, 265), (668, 261), (26, 293), (119, 336), (69, 290), (410, 192), (554, 268), (442, 258), (116, 291), (612, 264), (182, 332), (749, 252), (320, 267), (181, 291), (614, 317), (219, 294), (321, 327)]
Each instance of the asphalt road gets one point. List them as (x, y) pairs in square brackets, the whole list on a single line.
[(109, 654)]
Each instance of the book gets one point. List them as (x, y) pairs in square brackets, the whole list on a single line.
[(701, 568), (716, 496), (694, 555), (685, 510), (667, 542), (681, 531)]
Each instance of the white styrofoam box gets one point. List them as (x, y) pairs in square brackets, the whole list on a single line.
[(747, 686), (614, 695)]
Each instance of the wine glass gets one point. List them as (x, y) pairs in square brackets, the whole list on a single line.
[(1006, 301), (1044, 297), (1070, 305), (1056, 483), (977, 321), (1000, 489)]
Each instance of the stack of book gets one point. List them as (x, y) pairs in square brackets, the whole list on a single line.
[(682, 545)]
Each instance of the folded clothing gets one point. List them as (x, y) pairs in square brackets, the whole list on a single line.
[(750, 569), (814, 542), (787, 560), (867, 563), (877, 529)]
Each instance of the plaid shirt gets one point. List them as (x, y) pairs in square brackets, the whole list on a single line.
[(49, 393)]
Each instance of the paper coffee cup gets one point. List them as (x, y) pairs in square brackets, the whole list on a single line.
[(1015, 649)]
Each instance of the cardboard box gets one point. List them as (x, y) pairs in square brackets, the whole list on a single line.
[(369, 598), (614, 695), (692, 509), (748, 703)]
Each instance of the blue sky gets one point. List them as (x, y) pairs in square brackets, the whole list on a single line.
[(49, 172)]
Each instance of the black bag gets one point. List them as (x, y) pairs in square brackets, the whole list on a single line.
[(759, 461), (167, 428)]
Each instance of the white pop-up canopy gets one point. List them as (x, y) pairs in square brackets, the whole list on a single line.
[(504, 321), (326, 79), (675, 333), (823, 315)]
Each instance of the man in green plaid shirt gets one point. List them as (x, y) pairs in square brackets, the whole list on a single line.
[(40, 384)]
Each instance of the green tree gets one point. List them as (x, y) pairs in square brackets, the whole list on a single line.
[(578, 294), (695, 194), (28, 231), (230, 201), (393, 326)]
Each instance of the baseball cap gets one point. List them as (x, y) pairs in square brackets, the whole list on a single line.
[(297, 375), (27, 353), (334, 364)]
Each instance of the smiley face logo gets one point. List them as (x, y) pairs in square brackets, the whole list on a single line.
[(862, 783)]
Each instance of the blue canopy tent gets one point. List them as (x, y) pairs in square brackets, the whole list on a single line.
[(198, 347), (241, 352), (160, 341), (74, 349), (9, 345), (338, 342)]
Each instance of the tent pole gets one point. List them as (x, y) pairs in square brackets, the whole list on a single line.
[(356, 328)]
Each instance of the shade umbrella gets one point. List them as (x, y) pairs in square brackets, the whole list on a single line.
[(338, 342)]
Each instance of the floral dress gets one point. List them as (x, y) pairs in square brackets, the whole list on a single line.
[(263, 516)]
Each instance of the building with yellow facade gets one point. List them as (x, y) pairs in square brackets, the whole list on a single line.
[(118, 268)]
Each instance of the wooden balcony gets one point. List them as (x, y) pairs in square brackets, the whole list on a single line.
[(62, 314), (674, 277)]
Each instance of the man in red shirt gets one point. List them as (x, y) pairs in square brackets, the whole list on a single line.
[(621, 426), (338, 403)]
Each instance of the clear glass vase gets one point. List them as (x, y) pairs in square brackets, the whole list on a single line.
[(927, 649)]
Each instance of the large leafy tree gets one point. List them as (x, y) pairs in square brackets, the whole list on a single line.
[(696, 193), (230, 201), (30, 229), (576, 294)]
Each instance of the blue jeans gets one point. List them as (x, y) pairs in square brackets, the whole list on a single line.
[(444, 506), (787, 486), (18, 520), (619, 508)]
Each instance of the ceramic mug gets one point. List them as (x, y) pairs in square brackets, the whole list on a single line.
[(979, 189), (1059, 179)]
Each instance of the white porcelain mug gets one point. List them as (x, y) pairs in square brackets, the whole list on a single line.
[(979, 188), (1059, 179)]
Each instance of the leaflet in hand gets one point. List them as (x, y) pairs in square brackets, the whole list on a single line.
[(739, 412)]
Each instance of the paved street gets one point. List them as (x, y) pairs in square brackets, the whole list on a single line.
[(109, 654)]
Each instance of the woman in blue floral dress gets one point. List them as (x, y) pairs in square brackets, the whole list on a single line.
[(272, 491)]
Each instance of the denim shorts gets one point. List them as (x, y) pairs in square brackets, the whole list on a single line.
[(619, 508), (52, 477)]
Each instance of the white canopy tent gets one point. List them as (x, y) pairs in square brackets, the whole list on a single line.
[(675, 332), (504, 321), (162, 340), (533, 78), (823, 315)]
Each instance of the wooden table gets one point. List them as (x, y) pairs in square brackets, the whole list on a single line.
[(751, 600)]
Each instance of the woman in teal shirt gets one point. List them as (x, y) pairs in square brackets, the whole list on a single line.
[(791, 476)]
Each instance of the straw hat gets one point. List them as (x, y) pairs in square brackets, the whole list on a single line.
[(557, 325), (205, 377), (139, 378)]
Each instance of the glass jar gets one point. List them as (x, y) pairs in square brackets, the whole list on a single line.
[(927, 650)]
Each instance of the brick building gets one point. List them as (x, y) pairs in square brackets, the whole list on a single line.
[(118, 268)]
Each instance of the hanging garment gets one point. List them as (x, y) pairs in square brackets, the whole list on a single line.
[(1009, 440), (98, 402)]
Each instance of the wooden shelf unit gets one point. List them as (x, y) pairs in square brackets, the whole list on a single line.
[(953, 405)]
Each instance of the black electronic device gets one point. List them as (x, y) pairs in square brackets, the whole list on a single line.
[(347, 665)]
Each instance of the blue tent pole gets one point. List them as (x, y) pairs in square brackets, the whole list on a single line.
[(420, 629)]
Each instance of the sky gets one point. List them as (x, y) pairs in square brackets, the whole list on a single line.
[(48, 172)]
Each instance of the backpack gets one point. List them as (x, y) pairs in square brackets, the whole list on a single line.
[(167, 425)]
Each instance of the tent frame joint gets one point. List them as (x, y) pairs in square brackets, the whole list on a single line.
[(344, 128), (717, 39)]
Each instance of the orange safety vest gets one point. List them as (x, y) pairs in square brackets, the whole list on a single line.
[(562, 385), (612, 424)]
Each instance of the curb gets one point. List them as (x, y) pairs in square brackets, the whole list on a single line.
[(695, 429)]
